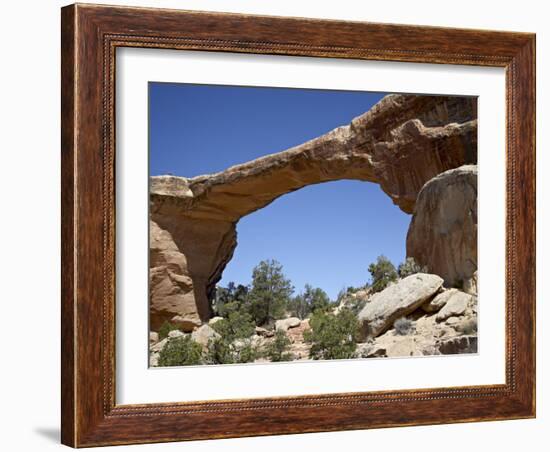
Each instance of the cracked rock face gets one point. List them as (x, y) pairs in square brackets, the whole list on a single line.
[(397, 300), (443, 231), (401, 143)]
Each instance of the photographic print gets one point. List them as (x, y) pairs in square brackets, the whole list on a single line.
[(292, 225), (290, 206)]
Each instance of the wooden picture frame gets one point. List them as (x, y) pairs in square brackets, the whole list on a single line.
[(90, 36)]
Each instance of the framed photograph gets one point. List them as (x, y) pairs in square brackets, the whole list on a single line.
[(281, 225)]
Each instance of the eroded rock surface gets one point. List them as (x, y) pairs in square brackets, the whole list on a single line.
[(428, 335), (443, 231), (285, 324), (397, 300), (456, 305), (401, 143)]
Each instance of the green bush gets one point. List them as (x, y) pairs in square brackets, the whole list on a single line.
[(232, 294), (355, 305), (277, 351), (233, 345), (403, 326), (237, 325), (219, 352), (341, 296), (223, 351), (332, 336), (165, 329), (410, 267), (244, 351), (180, 351), (383, 272), (298, 307), (270, 293), (312, 299)]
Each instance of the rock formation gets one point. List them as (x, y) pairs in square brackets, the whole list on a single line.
[(456, 305), (401, 143), (444, 323), (443, 232), (398, 300), (285, 324)]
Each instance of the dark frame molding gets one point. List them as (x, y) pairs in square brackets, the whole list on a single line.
[(90, 35)]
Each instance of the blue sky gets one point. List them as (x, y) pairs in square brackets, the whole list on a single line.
[(325, 234)]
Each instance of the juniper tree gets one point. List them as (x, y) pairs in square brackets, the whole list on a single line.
[(270, 292)]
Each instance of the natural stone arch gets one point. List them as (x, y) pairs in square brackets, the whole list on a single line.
[(401, 143)]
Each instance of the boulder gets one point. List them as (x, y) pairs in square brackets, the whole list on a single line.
[(458, 344), (404, 346), (154, 359), (204, 334), (397, 300), (285, 324), (159, 345), (214, 320), (452, 321), (175, 333), (264, 332), (470, 284), (153, 337), (442, 235), (436, 303), (467, 325), (456, 306)]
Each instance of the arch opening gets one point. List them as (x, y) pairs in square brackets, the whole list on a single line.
[(325, 235)]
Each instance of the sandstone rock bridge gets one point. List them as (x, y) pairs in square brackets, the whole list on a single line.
[(401, 143)]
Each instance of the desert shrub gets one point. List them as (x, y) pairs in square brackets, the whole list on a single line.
[(233, 345), (244, 351), (223, 351), (180, 351), (403, 326), (355, 305), (383, 272), (341, 296), (298, 307), (270, 292), (234, 294), (219, 351), (237, 325), (352, 289), (410, 267), (332, 336), (312, 299), (165, 328), (277, 350)]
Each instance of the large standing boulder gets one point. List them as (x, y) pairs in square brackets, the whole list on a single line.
[(443, 232), (397, 300)]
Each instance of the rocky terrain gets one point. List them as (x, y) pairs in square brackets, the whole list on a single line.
[(421, 150), (414, 316)]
